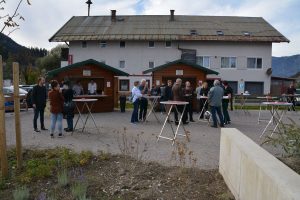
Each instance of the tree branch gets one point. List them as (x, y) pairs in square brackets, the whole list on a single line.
[(10, 19), (12, 31)]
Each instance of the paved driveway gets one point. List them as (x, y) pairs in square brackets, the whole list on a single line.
[(204, 140)]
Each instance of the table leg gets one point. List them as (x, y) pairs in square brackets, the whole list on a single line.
[(278, 120), (180, 120), (153, 104), (159, 136), (271, 120), (259, 112), (85, 104), (199, 118), (79, 117), (90, 114)]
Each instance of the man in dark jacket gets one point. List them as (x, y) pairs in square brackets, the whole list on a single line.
[(143, 101), (39, 98), (179, 96)]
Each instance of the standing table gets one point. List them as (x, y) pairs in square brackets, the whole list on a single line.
[(175, 132), (87, 103), (276, 115), (264, 99), (287, 97), (243, 100), (153, 102)]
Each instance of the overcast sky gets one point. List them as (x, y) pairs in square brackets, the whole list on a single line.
[(44, 17)]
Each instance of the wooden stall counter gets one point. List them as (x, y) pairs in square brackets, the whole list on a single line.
[(103, 103)]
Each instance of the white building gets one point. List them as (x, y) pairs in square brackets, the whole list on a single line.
[(239, 48)]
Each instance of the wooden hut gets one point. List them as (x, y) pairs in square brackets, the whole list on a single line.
[(179, 69), (85, 71)]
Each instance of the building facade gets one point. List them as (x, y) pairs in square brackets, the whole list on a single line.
[(239, 48)]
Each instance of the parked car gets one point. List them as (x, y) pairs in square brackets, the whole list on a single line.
[(26, 87), (9, 99), (297, 100)]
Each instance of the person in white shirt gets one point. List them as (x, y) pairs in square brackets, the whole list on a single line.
[(198, 91), (92, 88), (136, 95)]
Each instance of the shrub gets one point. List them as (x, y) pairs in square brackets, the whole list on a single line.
[(79, 191), (62, 178), (288, 137), (21, 193)]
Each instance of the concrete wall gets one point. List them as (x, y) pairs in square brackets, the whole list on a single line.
[(252, 173), (137, 55)]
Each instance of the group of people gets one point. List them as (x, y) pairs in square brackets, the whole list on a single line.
[(61, 105), (178, 92), (78, 89)]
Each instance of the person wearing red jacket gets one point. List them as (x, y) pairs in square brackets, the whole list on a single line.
[(56, 108)]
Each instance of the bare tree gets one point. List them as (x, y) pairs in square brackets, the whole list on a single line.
[(11, 21)]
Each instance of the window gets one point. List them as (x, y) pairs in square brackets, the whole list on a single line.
[(122, 64), (151, 44), (254, 63), (122, 44), (102, 44), (151, 64), (168, 44), (193, 32), (246, 33), (123, 85), (220, 33), (228, 62), (103, 61), (204, 61), (84, 44)]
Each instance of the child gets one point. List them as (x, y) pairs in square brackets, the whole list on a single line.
[(136, 95), (56, 108)]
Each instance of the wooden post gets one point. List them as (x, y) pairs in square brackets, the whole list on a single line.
[(3, 154), (17, 114)]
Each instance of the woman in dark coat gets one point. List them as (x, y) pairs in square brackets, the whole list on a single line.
[(68, 106)]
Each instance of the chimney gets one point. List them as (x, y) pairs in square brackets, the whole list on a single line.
[(172, 15), (113, 15)]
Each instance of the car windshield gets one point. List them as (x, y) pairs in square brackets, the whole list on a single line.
[(297, 91)]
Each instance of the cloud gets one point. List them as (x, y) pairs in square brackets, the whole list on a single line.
[(44, 18)]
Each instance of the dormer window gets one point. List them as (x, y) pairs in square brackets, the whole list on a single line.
[(193, 32), (220, 33), (246, 33)]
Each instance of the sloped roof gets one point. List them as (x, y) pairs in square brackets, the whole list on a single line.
[(160, 28), (297, 75), (54, 72), (176, 62)]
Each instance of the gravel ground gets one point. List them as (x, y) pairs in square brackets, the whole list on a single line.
[(204, 140)]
